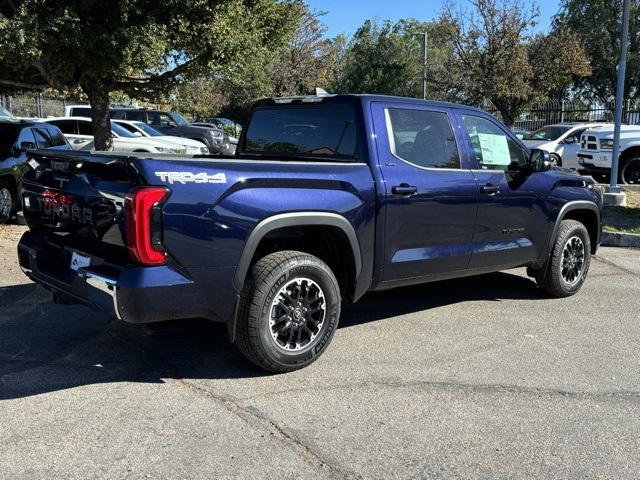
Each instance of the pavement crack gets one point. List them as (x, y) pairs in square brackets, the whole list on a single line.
[(250, 415), (488, 388), (615, 265), (255, 418)]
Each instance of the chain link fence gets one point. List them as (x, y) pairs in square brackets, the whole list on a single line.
[(33, 106)]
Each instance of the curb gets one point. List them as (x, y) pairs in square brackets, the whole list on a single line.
[(620, 239)]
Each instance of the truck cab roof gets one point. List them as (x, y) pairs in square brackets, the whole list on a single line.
[(364, 97)]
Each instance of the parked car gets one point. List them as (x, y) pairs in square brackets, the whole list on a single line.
[(140, 129), (15, 139), (221, 122), (327, 198), (233, 141), (79, 133), (596, 149), (561, 140), (169, 123)]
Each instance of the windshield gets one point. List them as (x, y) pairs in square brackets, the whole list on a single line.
[(121, 131), (548, 133), (179, 119), (319, 131), (8, 136), (152, 132)]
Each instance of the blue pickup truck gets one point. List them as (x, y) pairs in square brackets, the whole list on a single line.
[(327, 198)]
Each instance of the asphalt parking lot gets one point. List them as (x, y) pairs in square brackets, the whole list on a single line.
[(476, 378)]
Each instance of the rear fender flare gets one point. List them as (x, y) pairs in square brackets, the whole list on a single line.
[(295, 219)]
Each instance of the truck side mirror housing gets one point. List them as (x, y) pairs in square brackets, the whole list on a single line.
[(24, 146), (539, 160), (570, 140)]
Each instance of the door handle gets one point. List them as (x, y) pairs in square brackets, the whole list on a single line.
[(490, 189), (404, 189)]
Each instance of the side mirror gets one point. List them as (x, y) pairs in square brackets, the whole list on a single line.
[(171, 124), (137, 134), (570, 140), (24, 146), (539, 160)]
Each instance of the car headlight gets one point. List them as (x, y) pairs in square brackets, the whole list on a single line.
[(217, 134), (162, 149), (204, 150), (606, 144)]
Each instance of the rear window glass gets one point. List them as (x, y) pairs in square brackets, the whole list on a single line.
[(318, 132)]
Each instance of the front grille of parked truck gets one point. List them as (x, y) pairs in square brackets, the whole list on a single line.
[(589, 142)]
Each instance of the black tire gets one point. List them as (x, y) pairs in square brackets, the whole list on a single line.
[(556, 161), (7, 202), (303, 278), (568, 265), (630, 171)]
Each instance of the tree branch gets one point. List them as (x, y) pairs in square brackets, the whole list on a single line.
[(27, 86)]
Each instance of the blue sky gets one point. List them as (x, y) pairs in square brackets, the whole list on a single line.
[(345, 16)]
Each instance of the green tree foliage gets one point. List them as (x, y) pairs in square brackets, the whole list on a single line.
[(597, 24), (496, 58), (139, 47), (306, 61), (384, 58)]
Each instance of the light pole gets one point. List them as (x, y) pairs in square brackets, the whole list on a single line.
[(425, 38), (622, 66)]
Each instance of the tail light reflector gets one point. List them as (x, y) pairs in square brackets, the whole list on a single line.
[(143, 223)]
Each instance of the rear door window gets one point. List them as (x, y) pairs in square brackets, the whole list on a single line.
[(68, 127), (159, 119), (134, 115), (306, 132), (85, 128), (423, 138)]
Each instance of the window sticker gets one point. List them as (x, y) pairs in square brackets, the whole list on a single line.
[(494, 148)]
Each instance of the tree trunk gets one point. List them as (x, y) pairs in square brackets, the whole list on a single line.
[(98, 94)]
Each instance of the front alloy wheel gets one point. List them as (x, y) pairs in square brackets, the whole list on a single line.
[(572, 260), (631, 172), (568, 265), (6, 204)]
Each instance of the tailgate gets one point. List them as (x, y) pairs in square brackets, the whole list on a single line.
[(76, 199)]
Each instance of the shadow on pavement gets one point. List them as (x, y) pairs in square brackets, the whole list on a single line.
[(46, 347)]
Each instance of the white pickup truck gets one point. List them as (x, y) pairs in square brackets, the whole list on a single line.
[(596, 148)]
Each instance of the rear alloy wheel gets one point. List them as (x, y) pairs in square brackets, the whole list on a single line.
[(7, 203), (568, 265), (297, 314), (289, 311), (630, 173)]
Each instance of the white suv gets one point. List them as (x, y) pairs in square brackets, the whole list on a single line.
[(596, 148)]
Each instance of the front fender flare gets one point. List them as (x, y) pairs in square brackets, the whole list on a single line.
[(567, 207)]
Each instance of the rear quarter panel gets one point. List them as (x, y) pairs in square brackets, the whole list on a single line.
[(206, 225)]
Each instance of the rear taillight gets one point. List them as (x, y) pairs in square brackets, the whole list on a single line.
[(143, 222)]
